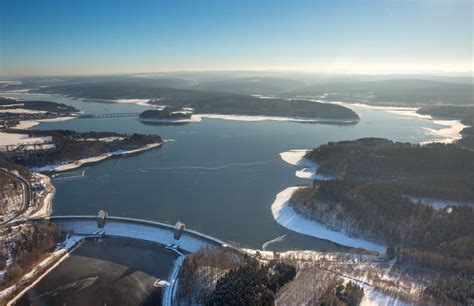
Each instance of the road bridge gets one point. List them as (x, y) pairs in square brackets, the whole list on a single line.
[(108, 115)]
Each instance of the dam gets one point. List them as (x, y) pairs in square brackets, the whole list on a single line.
[(115, 259)]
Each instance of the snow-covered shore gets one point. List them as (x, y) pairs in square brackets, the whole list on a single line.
[(309, 168), (287, 217), (26, 124), (78, 163), (274, 118)]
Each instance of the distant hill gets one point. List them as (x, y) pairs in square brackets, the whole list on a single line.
[(203, 102), (411, 92), (251, 85)]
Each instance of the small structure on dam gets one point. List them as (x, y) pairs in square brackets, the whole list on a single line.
[(178, 229), (101, 218)]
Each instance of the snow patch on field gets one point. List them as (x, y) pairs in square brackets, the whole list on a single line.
[(141, 102), (287, 217), (10, 139), (373, 297), (26, 124)]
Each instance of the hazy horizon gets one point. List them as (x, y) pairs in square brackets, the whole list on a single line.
[(330, 37)]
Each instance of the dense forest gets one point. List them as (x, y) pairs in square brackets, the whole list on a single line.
[(433, 170)]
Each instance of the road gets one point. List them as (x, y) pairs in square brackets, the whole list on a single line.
[(170, 289), (26, 197)]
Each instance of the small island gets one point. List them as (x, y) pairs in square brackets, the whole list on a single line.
[(167, 115)]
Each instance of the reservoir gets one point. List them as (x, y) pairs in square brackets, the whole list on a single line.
[(219, 177)]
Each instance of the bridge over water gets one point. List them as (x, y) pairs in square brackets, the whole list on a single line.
[(108, 115)]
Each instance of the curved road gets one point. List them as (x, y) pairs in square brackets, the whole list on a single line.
[(26, 197)]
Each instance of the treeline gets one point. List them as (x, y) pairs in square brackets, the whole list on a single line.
[(381, 159)]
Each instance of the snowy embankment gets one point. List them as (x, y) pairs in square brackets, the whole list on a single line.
[(287, 217), (309, 170), (78, 163), (41, 269)]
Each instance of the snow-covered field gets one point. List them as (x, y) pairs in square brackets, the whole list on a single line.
[(78, 163), (141, 102), (287, 217), (26, 124), (10, 139)]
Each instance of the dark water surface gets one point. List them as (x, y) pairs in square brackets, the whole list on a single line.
[(219, 177)]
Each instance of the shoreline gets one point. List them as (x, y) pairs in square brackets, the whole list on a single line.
[(46, 207), (447, 134), (289, 218), (80, 162)]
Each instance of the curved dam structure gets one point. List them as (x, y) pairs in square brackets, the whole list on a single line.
[(107, 253), (162, 233)]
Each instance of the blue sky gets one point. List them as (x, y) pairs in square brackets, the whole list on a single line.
[(105, 36)]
